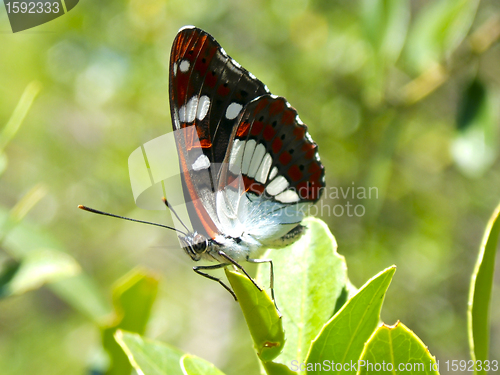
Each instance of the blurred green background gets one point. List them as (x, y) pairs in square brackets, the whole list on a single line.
[(399, 95)]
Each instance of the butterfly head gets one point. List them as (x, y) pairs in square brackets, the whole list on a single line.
[(195, 245)]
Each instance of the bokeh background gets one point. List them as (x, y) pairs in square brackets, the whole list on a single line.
[(400, 95)]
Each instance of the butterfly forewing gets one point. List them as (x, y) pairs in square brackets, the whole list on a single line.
[(208, 90)]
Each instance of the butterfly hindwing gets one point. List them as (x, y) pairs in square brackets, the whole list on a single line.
[(274, 153)]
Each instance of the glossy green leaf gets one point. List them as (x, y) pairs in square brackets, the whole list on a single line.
[(438, 30), (309, 279), (342, 339), (396, 350), (480, 291), (150, 357), (264, 322), (273, 368), (40, 267), (193, 365), (133, 297)]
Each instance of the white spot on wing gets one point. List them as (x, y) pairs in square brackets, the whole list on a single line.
[(274, 172), (201, 163), (187, 113), (233, 110), (247, 156), (261, 175), (235, 63), (175, 69), (184, 66), (182, 114), (203, 106), (236, 156), (277, 185), (258, 154), (288, 196)]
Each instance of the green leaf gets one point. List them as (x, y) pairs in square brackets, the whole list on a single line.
[(474, 149), (438, 30), (473, 101), (264, 322), (3, 162), (133, 298), (342, 339), (79, 291), (7, 271), (309, 279), (20, 112), (39, 267), (395, 346), (193, 365), (273, 368), (150, 357), (480, 291), (385, 24), (22, 208)]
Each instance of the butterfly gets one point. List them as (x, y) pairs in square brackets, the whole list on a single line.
[(249, 168)]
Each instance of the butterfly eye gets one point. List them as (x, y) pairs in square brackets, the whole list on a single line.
[(200, 247)]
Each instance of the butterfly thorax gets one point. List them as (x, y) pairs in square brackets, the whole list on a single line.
[(199, 247)]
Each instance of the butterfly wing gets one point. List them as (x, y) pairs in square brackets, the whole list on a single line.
[(208, 90), (272, 171)]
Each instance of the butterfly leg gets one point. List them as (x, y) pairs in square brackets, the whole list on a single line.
[(271, 277), (214, 267), (235, 263)]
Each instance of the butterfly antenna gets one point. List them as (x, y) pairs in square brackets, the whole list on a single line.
[(175, 213), (85, 208)]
